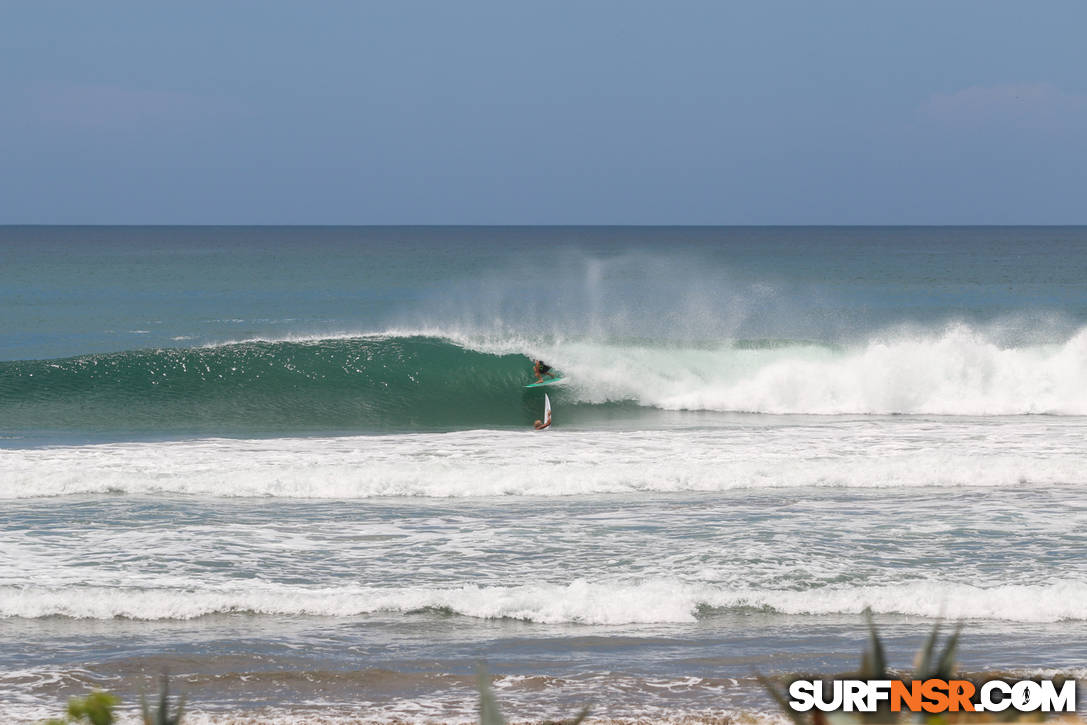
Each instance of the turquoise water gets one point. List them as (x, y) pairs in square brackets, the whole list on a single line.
[(74, 290), (297, 464), (129, 331)]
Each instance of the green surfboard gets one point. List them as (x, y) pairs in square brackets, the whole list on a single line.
[(546, 382)]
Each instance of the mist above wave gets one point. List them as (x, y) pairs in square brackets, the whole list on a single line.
[(450, 379), (955, 371)]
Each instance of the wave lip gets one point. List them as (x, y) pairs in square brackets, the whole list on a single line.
[(408, 381), (582, 602)]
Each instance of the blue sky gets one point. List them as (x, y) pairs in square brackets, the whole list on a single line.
[(543, 113)]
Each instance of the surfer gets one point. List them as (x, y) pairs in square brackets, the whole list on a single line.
[(540, 368), (546, 422)]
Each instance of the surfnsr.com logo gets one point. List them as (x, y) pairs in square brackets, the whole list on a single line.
[(932, 696)]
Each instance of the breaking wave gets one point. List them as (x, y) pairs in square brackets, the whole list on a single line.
[(427, 381), (580, 601)]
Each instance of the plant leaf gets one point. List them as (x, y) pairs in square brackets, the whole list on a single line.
[(489, 714)]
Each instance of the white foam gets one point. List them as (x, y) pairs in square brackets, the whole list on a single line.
[(956, 371), (892, 452), (599, 603)]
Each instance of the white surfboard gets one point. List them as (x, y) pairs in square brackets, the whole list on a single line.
[(547, 412)]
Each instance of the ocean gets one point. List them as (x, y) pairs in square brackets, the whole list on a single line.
[(295, 466)]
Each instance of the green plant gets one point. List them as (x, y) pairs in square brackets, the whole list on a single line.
[(96, 708), (162, 715), (782, 700), (874, 659), (927, 665), (489, 714)]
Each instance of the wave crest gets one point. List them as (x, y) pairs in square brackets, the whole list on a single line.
[(412, 381), (581, 602), (958, 371)]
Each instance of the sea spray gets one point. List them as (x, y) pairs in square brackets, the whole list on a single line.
[(426, 380)]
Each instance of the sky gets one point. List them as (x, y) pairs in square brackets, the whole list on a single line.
[(557, 112)]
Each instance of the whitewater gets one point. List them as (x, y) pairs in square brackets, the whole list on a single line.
[(738, 453), (415, 380), (616, 559), (296, 467)]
